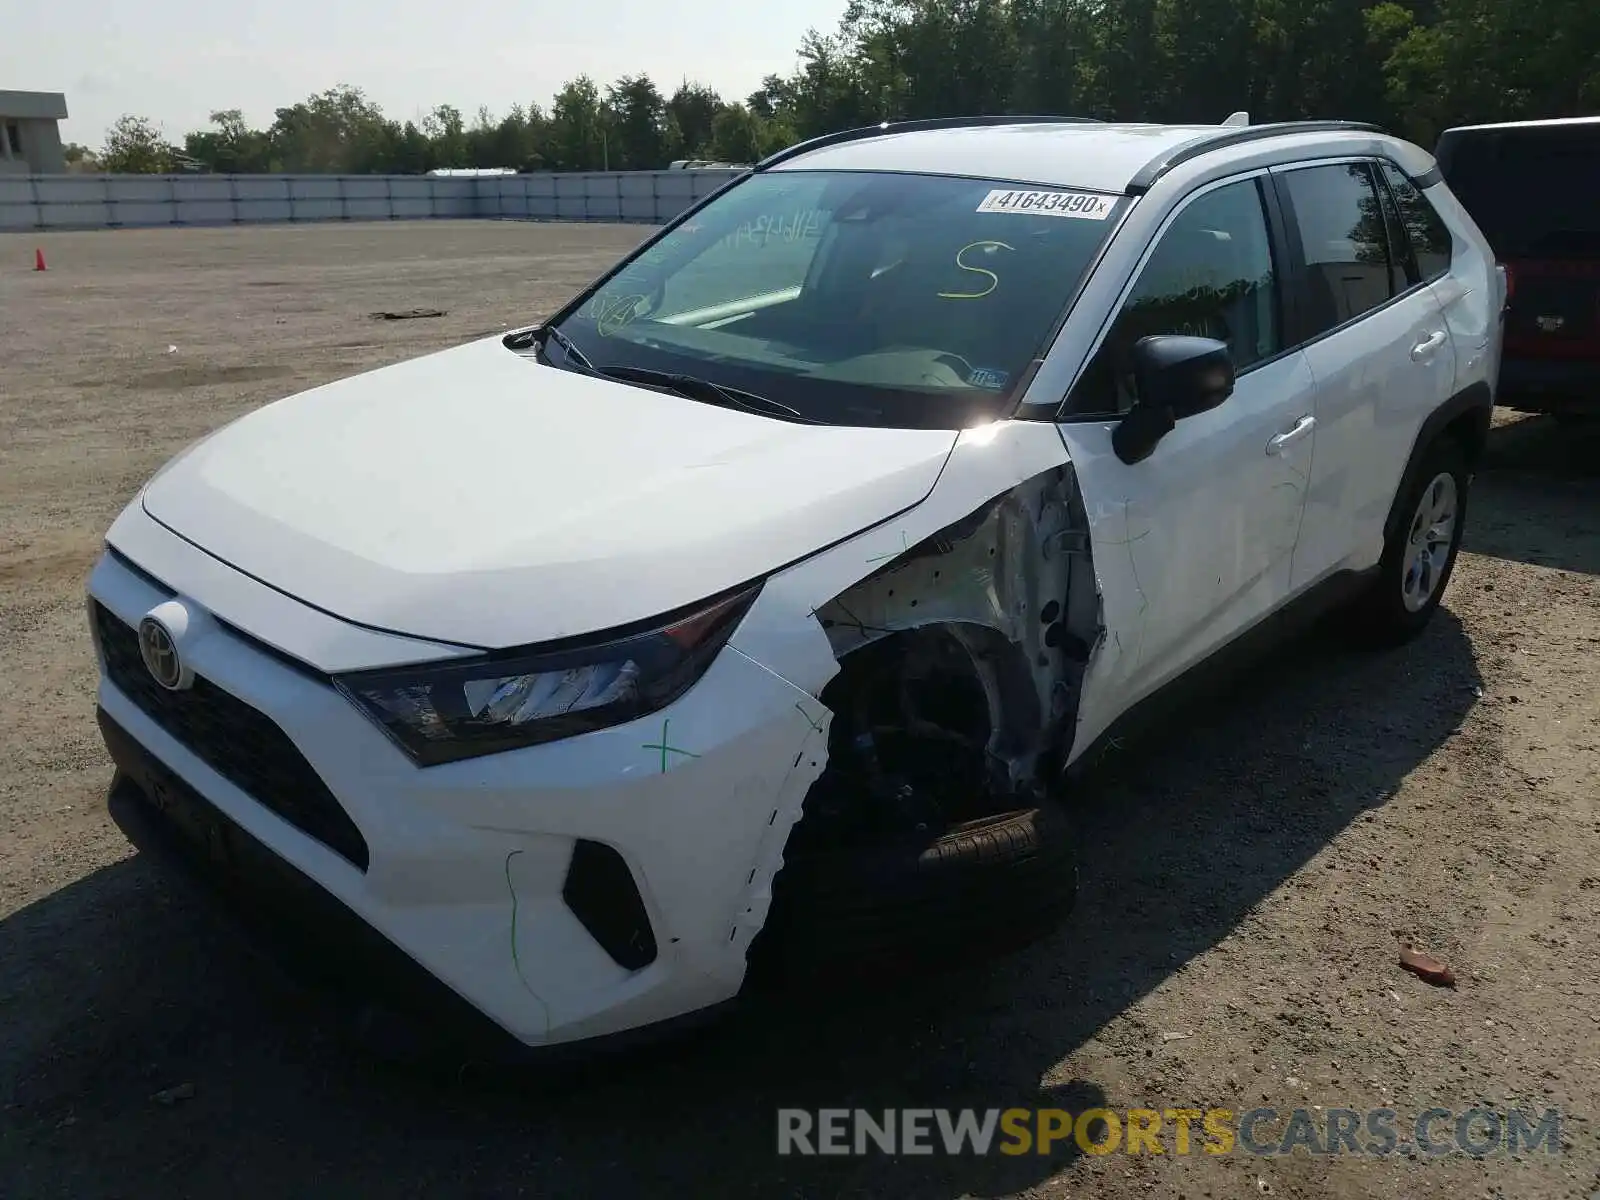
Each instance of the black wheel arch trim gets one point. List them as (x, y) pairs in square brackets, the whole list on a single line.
[(1473, 408)]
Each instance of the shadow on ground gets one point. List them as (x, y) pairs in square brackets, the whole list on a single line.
[(1537, 495)]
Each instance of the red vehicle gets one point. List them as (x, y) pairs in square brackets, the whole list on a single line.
[(1533, 187)]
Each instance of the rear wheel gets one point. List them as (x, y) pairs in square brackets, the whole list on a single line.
[(1420, 551)]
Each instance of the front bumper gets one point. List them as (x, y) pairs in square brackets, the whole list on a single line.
[(468, 869), (161, 815)]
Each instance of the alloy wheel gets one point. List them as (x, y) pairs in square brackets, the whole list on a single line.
[(1428, 545)]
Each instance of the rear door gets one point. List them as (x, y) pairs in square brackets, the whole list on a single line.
[(1452, 259), (1534, 190), (1378, 346)]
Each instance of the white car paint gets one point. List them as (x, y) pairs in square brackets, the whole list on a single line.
[(1377, 381), (780, 630), (1093, 156), (1206, 551), (1207, 548), (269, 615), (468, 859), (1473, 295), (475, 498), (1128, 566), (336, 497)]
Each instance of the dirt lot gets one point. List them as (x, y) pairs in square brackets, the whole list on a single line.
[(1246, 876)]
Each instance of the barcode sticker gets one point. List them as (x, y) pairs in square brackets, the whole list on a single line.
[(1088, 206)]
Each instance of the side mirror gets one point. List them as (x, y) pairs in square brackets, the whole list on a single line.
[(1174, 376)]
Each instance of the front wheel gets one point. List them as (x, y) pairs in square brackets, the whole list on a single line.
[(1419, 553), (978, 890)]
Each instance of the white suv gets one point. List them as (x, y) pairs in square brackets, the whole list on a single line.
[(738, 619)]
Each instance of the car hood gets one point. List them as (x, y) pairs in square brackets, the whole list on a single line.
[(478, 497)]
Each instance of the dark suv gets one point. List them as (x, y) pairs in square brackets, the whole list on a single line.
[(1533, 187)]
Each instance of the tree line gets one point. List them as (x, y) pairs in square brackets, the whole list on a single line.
[(1414, 66)]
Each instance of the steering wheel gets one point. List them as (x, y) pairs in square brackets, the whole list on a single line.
[(960, 365), (657, 294), (623, 310)]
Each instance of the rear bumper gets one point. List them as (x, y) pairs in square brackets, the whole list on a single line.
[(1549, 384)]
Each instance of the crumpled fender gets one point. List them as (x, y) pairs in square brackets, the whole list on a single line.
[(782, 630)]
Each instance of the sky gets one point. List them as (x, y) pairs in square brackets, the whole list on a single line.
[(177, 61)]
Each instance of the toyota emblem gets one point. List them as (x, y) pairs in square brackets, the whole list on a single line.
[(160, 654)]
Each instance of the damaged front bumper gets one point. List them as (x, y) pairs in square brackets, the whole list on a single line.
[(567, 891), (615, 879)]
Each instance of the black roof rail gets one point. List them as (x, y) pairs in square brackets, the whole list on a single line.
[(1235, 135), (918, 126)]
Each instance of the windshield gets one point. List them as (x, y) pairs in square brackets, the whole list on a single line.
[(914, 301), (1492, 171)]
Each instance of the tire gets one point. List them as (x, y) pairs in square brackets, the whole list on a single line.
[(1409, 587), (980, 888)]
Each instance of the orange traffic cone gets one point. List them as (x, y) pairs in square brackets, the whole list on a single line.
[(38, 260)]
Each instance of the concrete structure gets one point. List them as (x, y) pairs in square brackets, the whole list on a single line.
[(30, 138), (110, 201)]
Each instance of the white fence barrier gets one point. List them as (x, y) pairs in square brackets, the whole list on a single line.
[(114, 201), (651, 196)]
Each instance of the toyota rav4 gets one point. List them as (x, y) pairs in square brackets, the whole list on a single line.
[(743, 618)]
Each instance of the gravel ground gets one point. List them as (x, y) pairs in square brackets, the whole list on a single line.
[(1245, 886)]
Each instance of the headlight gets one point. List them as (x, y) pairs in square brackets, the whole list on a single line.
[(466, 708)]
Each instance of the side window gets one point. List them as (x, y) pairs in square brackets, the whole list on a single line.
[(1210, 275), (1344, 240), (1429, 235)]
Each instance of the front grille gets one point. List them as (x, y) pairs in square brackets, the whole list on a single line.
[(238, 742)]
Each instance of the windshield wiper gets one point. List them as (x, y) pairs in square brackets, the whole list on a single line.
[(690, 386), (707, 392), (571, 351)]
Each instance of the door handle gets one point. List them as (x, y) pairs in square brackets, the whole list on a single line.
[(1301, 428), (1425, 348)]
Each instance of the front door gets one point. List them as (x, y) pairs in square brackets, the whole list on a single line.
[(1198, 538)]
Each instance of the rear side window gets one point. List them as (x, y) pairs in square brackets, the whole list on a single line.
[(1430, 240), (1345, 242)]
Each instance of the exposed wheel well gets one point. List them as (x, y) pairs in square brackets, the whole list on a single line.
[(930, 727)]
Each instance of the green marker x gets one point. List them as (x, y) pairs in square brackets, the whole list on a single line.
[(665, 747)]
